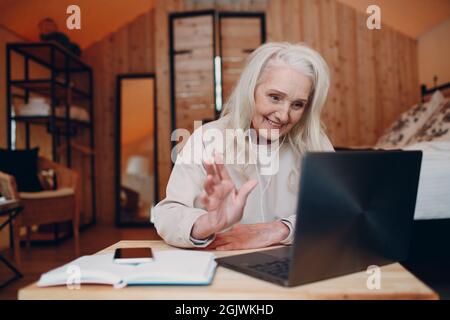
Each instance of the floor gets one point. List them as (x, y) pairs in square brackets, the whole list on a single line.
[(43, 257)]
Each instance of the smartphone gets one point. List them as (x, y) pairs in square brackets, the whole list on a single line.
[(133, 255)]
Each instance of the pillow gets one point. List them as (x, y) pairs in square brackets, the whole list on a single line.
[(22, 164), (409, 123), (437, 128)]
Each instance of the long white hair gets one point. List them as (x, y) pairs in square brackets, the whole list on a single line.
[(307, 134)]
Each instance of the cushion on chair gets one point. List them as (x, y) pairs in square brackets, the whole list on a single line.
[(47, 194), (23, 166), (47, 178)]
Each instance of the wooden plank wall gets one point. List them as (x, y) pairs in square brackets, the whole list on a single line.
[(128, 50), (239, 36), (194, 65), (374, 72)]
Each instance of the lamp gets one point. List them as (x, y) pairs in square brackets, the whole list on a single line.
[(138, 165)]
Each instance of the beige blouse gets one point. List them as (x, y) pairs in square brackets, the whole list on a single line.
[(272, 199)]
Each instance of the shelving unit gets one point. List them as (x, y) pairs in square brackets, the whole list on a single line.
[(60, 88)]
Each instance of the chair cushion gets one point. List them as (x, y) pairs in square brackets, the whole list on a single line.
[(47, 178), (23, 166), (47, 194)]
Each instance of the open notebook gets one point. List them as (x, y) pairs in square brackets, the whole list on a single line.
[(168, 267)]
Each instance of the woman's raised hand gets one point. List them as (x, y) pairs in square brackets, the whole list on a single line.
[(223, 202)]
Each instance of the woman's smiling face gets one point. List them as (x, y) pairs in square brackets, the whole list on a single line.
[(280, 100)]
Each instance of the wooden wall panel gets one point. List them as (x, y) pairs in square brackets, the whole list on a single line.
[(239, 36), (81, 163), (348, 123), (194, 70), (366, 84), (284, 20), (384, 73), (310, 18), (329, 38)]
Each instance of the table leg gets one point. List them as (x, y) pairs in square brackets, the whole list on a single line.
[(11, 232), (17, 243), (10, 266)]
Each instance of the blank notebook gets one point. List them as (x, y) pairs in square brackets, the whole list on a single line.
[(171, 267)]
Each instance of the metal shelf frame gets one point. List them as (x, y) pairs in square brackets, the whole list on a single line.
[(62, 64)]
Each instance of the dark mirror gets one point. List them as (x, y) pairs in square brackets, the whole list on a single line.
[(136, 173)]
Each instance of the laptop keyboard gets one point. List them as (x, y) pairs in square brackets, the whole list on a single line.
[(277, 268)]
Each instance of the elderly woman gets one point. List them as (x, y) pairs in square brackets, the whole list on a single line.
[(228, 205)]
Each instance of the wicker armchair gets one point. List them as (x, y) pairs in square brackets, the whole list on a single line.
[(45, 207)]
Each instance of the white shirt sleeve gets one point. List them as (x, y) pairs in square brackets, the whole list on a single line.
[(175, 215)]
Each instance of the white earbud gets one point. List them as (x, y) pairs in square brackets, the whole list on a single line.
[(261, 189)]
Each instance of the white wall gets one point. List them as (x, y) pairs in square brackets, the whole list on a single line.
[(434, 54)]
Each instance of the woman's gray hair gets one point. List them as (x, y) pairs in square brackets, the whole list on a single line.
[(307, 134)]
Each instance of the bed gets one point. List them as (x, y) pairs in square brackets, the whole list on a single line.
[(426, 127)]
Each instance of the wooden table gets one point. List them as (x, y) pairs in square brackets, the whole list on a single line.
[(396, 283)]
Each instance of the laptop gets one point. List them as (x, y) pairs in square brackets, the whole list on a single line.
[(355, 209)]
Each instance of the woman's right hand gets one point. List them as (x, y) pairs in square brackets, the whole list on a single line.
[(223, 202)]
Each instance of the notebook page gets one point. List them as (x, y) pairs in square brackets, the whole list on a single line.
[(177, 266), (90, 269)]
